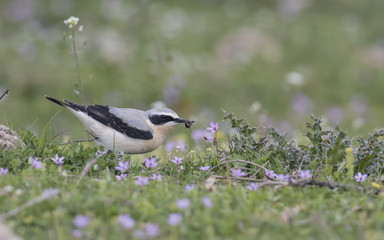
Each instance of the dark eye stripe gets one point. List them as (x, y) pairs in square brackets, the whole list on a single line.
[(160, 119)]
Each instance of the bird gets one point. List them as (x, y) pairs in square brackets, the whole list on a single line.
[(127, 130)]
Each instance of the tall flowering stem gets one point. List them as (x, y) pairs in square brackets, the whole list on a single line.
[(178, 161), (72, 22), (214, 127), (78, 67)]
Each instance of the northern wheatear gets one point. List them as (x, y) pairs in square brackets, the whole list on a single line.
[(125, 129)]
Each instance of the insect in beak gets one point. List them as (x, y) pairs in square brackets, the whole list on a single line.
[(188, 123)]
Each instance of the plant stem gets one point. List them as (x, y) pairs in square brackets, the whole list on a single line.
[(217, 156), (78, 68), (5, 93)]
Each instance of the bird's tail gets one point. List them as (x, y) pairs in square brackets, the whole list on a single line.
[(66, 103), (57, 101)]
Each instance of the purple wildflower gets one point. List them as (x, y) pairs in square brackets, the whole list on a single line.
[(121, 177), (282, 177), (151, 162), (3, 171), (49, 193), (177, 160), (77, 233), (81, 221), (269, 173), (189, 187), (335, 114), (142, 181), (156, 177), (200, 135), (207, 202), (305, 174), (100, 153), (123, 166), (174, 219), (183, 203), (181, 146), (237, 172), (214, 127), (36, 163), (359, 177), (152, 230), (205, 168), (126, 221), (301, 103), (169, 146), (58, 160), (252, 186)]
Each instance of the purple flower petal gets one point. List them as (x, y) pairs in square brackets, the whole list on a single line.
[(189, 187), (359, 177), (214, 127), (151, 162), (207, 202), (142, 181), (183, 203), (237, 172), (177, 160), (252, 186), (122, 166), (81, 221), (174, 219), (205, 168), (152, 230), (156, 177), (58, 160), (305, 174), (126, 221), (269, 173), (3, 171)]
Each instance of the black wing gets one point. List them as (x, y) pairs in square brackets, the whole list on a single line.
[(102, 114)]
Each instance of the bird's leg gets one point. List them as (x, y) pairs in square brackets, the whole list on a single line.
[(88, 140), (120, 156)]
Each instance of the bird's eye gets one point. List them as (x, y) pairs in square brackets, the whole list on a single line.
[(161, 119)]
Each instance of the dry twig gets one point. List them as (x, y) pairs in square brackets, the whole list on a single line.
[(4, 93)]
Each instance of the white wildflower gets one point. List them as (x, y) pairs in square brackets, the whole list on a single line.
[(255, 107), (71, 22), (294, 79)]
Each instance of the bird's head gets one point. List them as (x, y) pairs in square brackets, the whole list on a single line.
[(165, 119)]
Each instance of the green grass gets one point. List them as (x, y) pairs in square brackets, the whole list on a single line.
[(281, 213), (221, 55), (208, 56), (274, 211)]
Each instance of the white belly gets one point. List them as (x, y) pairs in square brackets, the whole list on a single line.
[(116, 141)]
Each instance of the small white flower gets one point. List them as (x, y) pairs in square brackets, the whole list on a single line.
[(19, 192), (81, 28), (71, 22), (294, 79), (358, 123), (255, 107), (95, 167)]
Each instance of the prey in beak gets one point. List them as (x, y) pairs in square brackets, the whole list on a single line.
[(188, 123)]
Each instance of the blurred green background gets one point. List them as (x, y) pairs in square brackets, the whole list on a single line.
[(272, 62)]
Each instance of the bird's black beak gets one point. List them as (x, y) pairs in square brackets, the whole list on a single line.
[(188, 123)]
